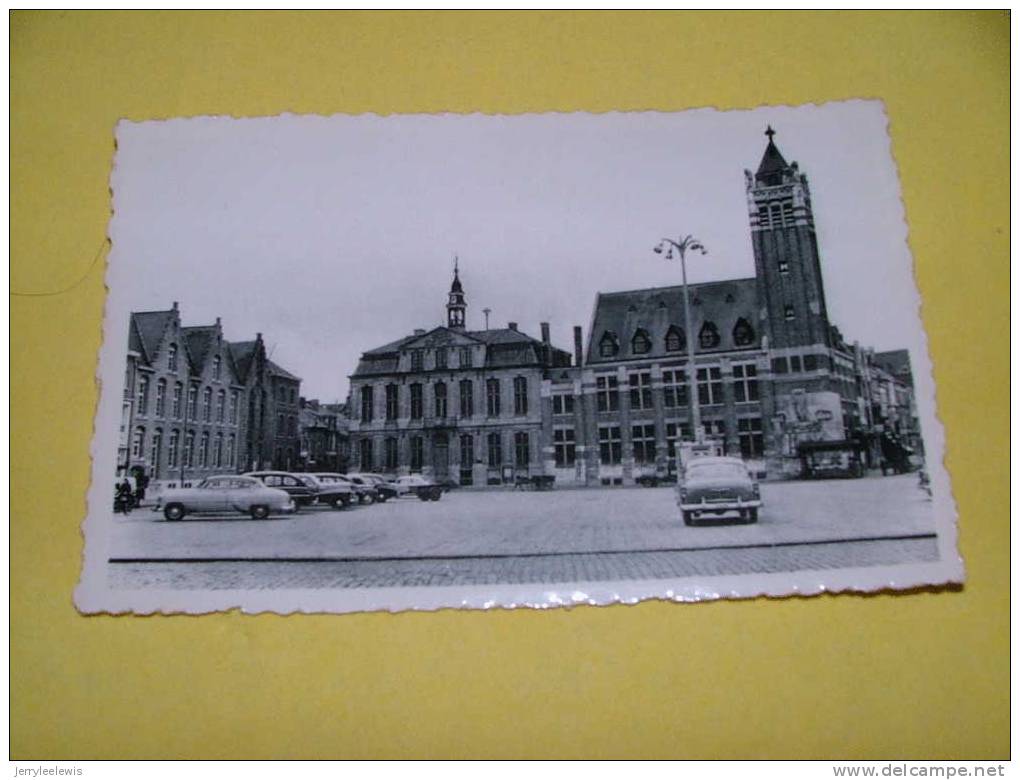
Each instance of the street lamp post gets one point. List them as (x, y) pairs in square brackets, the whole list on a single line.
[(681, 247)]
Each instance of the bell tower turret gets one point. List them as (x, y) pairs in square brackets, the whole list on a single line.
[(456, 304), (789, 272)]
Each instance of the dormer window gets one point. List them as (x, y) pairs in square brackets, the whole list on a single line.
[(641, 344), (675, 340), (171, 357), (216, 366), (608, 346), (417, 363), (708, 337), (440, 357), (743, 333)]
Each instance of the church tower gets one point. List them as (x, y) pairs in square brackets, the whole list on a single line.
[(456, 305), (790, 291)]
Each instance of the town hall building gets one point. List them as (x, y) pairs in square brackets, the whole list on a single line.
[(772, 373)]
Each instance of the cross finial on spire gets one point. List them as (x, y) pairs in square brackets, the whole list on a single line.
[(770, 132)]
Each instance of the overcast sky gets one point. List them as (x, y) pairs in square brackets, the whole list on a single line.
[(333, 235)]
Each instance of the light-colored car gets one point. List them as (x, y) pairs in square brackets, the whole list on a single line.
[(717, 486), (223, 494), (417, 485), (334, 490)]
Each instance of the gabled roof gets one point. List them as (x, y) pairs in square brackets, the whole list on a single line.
[(655, 310), (277, 370), (199, 339), (896, 362), (505, 347), (242, 352), (147, 329)]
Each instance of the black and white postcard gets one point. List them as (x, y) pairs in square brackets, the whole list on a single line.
[(425, 361)]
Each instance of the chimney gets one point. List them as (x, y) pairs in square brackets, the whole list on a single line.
[(512, 325), (578, 347), (174, 307), (545, 332)]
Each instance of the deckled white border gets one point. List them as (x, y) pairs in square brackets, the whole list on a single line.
[(93, 594)]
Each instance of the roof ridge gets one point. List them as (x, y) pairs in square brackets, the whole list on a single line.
[(674, 287)]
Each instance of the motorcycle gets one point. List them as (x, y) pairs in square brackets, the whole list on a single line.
[(123, 502)]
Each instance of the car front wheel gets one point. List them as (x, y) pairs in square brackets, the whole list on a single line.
[(259, 512), (340, 502), (750, 515), (689, 518), (173, 511)]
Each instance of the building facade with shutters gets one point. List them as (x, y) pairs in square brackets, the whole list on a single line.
[(454, 404), (193, 402)]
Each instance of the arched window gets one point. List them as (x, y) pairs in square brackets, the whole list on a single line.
[(218, 451), (608, 345), (231, 447), (171, 449), (675, 340), (743, 333), (640, 344), (221, 406), (155, 453), (187, 457), (143, 394), (708, 336), (217, 364), (203, 451), (161, 398), (171, 357), (207, 404), (175, 405), (137, 442)]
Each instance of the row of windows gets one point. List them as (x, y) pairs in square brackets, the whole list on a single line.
[(466, 445), (675, 340), (176, 401), (286, 425), (442, 358), (440, 405), (775, 215), (796, 363), (172, 362), (286, 394), (205, 451), (643, 444), (675, 393)]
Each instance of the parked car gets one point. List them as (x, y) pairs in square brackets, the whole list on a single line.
[(364, 489), (417, 485), (224, 494), (333, 490), (717, 486), (384, 489), (304, 491)]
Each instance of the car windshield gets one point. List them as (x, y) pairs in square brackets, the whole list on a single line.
[(716, 471)]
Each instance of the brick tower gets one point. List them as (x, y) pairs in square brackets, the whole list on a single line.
[(790, 291)]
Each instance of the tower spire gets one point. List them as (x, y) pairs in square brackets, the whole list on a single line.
[(456, 304)]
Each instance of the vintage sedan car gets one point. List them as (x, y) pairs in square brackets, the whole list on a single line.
[(717, 486), (304, 491), (417, 485), (334, 489), (224, 494), (382, 489)]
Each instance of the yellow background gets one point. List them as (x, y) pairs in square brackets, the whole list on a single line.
[(922, 675)]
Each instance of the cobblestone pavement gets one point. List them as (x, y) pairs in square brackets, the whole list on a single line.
[(519, 537)]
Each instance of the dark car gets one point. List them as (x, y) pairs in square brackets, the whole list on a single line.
[(305, 492), (384, 489), (364, 488), (333, 489)]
